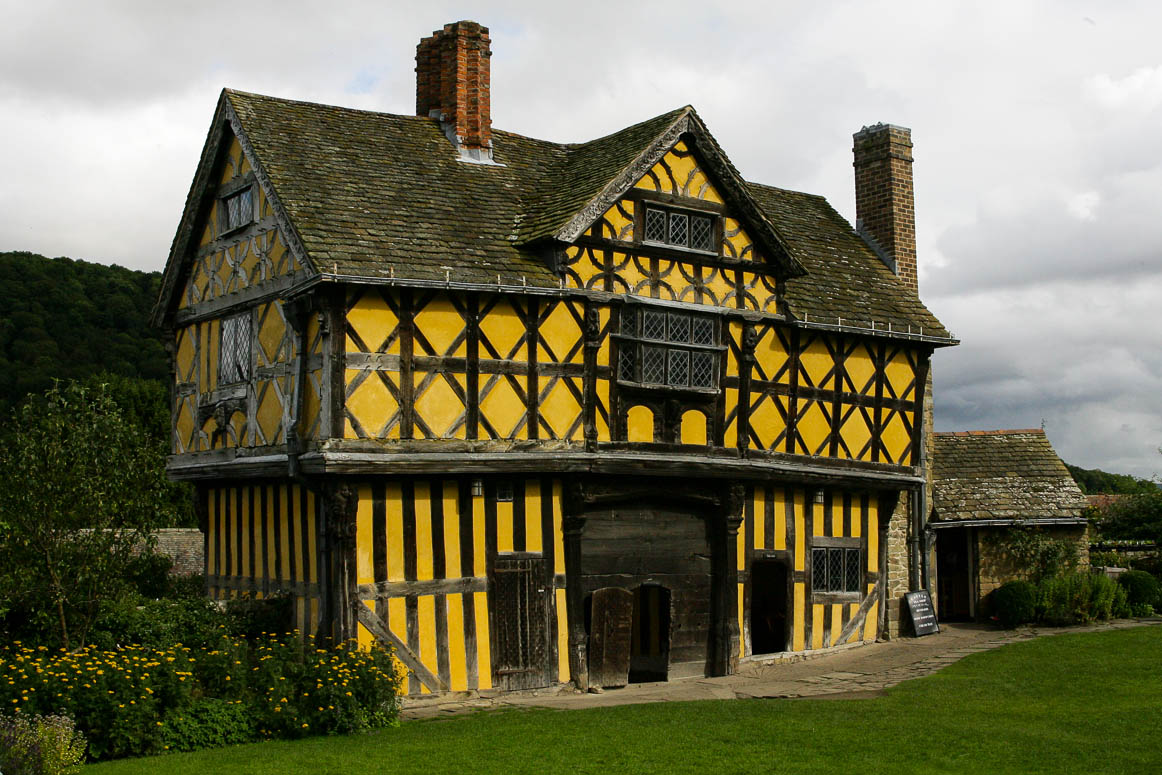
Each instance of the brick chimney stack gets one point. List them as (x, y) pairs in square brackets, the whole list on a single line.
[(452, 84), (885, 207)]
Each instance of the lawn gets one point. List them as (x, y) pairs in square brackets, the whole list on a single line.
[(1070, 703)]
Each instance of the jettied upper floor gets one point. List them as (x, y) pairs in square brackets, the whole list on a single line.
[(348, 289)]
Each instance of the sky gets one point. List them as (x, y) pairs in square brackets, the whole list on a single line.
[(1036, 125)]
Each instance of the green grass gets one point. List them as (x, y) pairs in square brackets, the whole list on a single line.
[(1070, 703)]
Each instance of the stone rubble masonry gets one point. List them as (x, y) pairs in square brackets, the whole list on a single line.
[(884, 198), (453, 79), (185, 547)]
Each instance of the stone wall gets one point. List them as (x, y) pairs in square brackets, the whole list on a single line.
[(185, 547), (995, 567)]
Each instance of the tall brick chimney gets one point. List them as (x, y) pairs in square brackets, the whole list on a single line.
[(452, 84), (885, 208)]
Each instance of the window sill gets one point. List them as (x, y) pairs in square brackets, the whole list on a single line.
[(669, 389)]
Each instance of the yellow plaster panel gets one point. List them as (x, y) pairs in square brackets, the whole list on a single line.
[(871, 623), (478, 537), (852, 611), (817, 626), (602, 401), (504, 520), (503, 409), (741, 619), (816, 362), (855, 433), (365, 638), (440, 407), (780, 504), (558, 532), (837, 514), (633, 272), (185, 426), (760, 522), (372, 405), (617, 222), (532, 497), (365, 572), (397, 618), (735, 333), (766, 422), (427, 622), (483, 649), (639, 424), (771, 356), (562, 639), (270, 415), (270, 336), (374, 321), (603, 314), (503, 328), (442, 325), (393, 505), (560, 337), (451, 531), (873, 536), (457, 664), (425, 567), (561, 410), (813, 426), (736, 243), (311, 533), (836, 623), (797, 615), (900, 376), (730, 435), (896, 439), (718, 285), (694, 428), (861, 370)]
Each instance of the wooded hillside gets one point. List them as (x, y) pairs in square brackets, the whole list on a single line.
[(67, 319)]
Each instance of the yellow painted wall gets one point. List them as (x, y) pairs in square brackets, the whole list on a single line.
[(262, 540), (418, 530)]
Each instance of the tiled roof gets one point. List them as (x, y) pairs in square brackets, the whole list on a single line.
[(378, 195), (1001, 475)]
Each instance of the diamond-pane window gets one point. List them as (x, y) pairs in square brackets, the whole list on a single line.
[(819, 569), (835, 570), (655, 225), (679, 229), (625, 364), (234, 355), (239, 209), (654, 325), (679, 374), (852, 570), (654, 365), (679, 327), (703, 332), (701, 233), (702, 370), (628, 321)]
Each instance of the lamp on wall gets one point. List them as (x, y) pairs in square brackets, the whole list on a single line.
[(819, 498), (477, 488)]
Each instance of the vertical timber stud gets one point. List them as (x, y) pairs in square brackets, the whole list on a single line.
[(724, 580), (750, 340), (573, 523), (341, 501), (592, 335)]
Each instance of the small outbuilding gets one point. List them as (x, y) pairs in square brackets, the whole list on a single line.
[(984, 484)]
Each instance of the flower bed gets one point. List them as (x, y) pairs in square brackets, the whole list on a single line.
[(134, 701)]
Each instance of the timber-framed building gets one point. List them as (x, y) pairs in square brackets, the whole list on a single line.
[(537, 413)]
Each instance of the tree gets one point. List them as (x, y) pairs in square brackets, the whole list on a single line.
[(1134, 517), (80, 488)]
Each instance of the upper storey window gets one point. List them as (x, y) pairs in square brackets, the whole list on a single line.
[(234, 351), (668, 348), (679, 228), (237, 210)]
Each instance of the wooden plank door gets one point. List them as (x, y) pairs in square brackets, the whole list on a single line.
[(520, 648), (610, 637)]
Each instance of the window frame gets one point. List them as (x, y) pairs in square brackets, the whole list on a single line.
[(714, 225), (634, 341), (244, 220), (227, 355), (822, 576)]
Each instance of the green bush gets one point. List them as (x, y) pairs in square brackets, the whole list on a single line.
[(254, 618), (1076, 598), (1106, 560), (135, 701), (1141, 588), (132, 619), (1015, 602), (40, 745), (148, 573)]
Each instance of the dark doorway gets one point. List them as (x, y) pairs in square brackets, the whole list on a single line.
[(768, 606), (954, 574), (520, 633), (650, 649)]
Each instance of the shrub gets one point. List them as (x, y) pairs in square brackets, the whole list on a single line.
[(134, 700), (148, 573), (132, 619), (1015, 602), (1076, 598), (40, 745), (1106, 560), (1141, 588), (254, 618)]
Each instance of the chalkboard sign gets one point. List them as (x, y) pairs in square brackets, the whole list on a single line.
[(923, 616)]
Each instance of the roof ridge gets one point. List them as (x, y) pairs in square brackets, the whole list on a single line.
[(1012, 431)]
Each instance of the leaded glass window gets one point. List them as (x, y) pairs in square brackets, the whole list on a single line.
[(668, 347), (835, 569), (679, 229), (234, 352), (239, 209)]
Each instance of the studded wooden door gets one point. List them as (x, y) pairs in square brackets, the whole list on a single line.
[(521, 647)]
